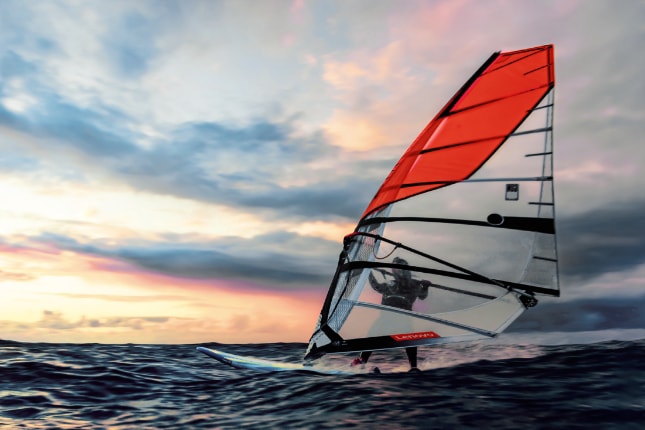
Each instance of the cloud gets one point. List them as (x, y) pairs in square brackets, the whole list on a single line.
[(591, 245), (123, 298), (263, 119), (130, 42), (56, 327), (15, 276), (261, 165), (56, 320), (602, 241), (584, 315), (258, 165), (264, 165), (13, 65), (87, 123), (278, 259), (260, 326)]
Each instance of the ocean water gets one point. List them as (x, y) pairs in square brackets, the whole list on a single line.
[(463, 386)]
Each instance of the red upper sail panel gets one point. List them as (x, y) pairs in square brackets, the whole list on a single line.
[(472, 126)]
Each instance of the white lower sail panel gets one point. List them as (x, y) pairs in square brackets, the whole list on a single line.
[(488, 319)]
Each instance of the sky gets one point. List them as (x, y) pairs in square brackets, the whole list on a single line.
[(185, 171)]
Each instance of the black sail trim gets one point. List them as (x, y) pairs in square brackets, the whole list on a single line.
[(468, 276), (380, 342), (538, 225), (470, 273), (325, 311), (446, 110)]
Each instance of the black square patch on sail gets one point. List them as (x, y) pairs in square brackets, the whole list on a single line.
[(512, 191)]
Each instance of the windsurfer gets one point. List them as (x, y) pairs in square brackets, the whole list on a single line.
[(400, 293)]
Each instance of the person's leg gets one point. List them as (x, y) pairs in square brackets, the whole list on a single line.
[(412, 356), (362, 359), (365, 355)]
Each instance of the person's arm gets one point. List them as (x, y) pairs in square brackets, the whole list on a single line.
[(376, 285)]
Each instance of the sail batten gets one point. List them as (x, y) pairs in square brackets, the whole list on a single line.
[(538, 154), (426, 317), (485, 103), (543, 107), (472, 277), (460, 237), (465, 181), (485, 139)]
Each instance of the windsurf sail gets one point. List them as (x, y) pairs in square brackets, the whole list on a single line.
[(460, 238)]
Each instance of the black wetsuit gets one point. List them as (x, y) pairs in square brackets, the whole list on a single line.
[(401, 293)]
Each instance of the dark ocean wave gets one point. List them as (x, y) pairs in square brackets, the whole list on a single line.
[(469, 386)]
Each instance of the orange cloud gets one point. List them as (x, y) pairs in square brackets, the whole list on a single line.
[(72, 297)]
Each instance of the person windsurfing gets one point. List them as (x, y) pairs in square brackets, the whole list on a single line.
[(400, 293)]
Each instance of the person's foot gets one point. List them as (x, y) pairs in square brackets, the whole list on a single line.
[(414, 370), (356, 362)]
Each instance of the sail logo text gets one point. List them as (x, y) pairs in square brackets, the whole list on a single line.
[(415, 336)]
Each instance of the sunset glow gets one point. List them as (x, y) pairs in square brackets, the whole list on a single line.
[(185, 172)]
